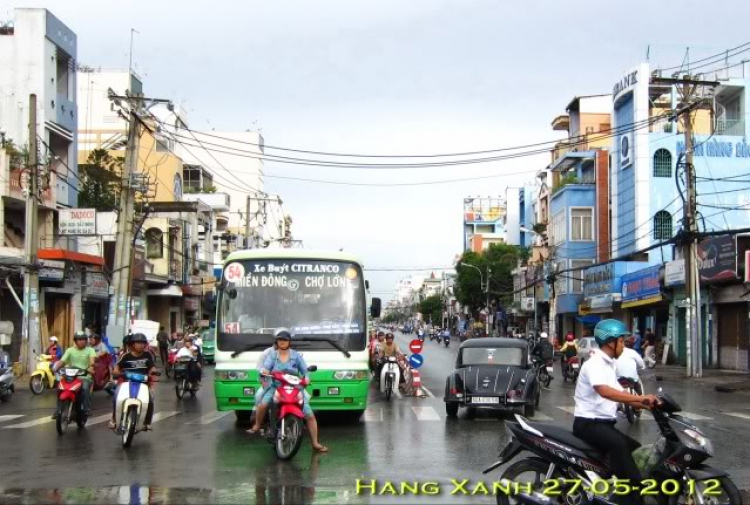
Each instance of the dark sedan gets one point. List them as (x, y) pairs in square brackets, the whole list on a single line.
[(495, 374)]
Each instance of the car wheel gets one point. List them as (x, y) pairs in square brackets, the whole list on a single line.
[(528, 410), (451, 409)]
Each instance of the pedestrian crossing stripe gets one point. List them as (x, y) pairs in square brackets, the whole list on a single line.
[(538, 416), (694, 417), (9, 417), (160, 416), (426, 414), (28, 424), (211, 417), (373, 415), (741, 415), (429, 393), (569, 410), (99, 419)]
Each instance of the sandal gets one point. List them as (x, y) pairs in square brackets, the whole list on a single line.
[(321, 448), (252, 431), (111, 425)]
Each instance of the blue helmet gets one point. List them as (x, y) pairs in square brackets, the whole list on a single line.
[(607, 330)]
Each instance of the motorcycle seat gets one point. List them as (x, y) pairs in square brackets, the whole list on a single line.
[(564, 435)]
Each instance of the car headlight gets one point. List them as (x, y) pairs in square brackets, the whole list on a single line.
[(231, 375), (701, 440), (350, 374)]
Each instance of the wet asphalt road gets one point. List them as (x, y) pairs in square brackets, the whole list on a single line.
[(198, 455)]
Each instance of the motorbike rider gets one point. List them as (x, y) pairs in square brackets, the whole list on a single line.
[(54, 349), (80, 356), (596, 397), (190, 350), (569, 349), (386, 350), (137, 360), (629, 363), (286, 359)]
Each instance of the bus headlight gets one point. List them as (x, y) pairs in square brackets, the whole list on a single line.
[(231, 375), (350, 374)]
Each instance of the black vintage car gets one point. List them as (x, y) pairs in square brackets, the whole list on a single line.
[(495, 374)]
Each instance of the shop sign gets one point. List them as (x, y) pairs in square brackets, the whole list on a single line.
[(717, 258), (97, 285), (607, 279), (747, 266), (527, 304), (641, 285), (674, 273), (601, 303), (77, 221), (193, 304), (52, 270)]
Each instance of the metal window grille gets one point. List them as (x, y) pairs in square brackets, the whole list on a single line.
[(662, 163), (662, 225)]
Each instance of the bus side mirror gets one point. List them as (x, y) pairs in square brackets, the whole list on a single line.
[(375, 308), (312, 368)]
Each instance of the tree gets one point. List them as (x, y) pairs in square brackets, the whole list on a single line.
[(431, 308), (501, 259), (101, 181)]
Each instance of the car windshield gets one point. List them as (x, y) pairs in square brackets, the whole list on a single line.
[(207, 336), (312, 298), (505, 356)]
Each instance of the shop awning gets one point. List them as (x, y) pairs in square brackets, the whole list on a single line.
[(168, 291), (64, 254), (589, 320), (645, 301)]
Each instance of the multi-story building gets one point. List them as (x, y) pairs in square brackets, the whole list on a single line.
[(484, 219), (519, 219), (647, 206)]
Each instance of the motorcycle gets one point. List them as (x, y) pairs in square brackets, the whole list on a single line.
[(628, 385), (675, 464), (420, 335), (7, 388), (389, 376), (543, 369), (42, 377), (70, 399), (447, 339), (283, 427), (131, 406), (433, 335), (102, 376), (571, 368), (171, 358), (185, 368)]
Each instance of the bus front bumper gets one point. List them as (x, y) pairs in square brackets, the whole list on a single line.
[(333, 395)]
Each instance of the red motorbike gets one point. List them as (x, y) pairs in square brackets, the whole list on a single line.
[(171, 360), (283, 427), (70, 399), (571, 368)]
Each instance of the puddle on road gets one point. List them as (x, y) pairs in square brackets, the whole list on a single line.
[(142, 495)]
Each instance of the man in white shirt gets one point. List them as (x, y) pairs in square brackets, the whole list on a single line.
[(597, 394), (629, 363)]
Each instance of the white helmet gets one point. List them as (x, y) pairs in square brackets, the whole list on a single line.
[(544, 335), (199, 341), (53, 339)]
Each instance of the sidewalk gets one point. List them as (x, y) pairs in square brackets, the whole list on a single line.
[(728, 381)]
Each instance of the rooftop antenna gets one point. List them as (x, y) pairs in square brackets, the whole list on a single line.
[(130, 61), (648, 53)]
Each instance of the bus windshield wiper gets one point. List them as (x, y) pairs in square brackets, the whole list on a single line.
[(323, 339), (248, 347)]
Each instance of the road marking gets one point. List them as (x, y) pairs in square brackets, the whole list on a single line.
[(569, 410), (99, 419), (695, 417), (741, 415), (211, 417), (9, 417), (373, 415), (538, 416), (426, 414), (160, 416), (29, 424), (429, 393)]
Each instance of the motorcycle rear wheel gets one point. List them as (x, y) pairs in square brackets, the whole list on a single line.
[(630, 413), (168, 370), (535, 467), (63, 417), (289, 440), (179, 388), (36, 385), (730, 495), (128, 430), (388, 388)]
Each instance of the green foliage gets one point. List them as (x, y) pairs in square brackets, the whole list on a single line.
[(501, 259), (431, 308), (101, 181), (209, 189), (569, 178)]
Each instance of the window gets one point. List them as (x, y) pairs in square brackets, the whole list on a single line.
[(582, 224), (154, 243), (558, 228), (662, 163), (662, 225), (561, 281), (576, 276)]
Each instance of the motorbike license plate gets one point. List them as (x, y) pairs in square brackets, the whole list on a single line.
[(550, 369), (575, 365), (485, 399)]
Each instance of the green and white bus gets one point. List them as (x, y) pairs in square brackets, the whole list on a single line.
[(320, 297)]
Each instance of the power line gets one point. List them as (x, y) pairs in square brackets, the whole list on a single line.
[(723, 54)]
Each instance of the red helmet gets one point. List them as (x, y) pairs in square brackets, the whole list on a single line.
[(569, 337)]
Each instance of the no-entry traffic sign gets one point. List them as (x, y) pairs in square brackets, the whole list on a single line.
[(415, 346), (416, 360)]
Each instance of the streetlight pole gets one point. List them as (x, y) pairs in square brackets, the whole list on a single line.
[(533, 284)]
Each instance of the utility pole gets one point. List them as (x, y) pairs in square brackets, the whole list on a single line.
[(118, 316), (487, 288), (248, 243), (687, 87), (31, 342)]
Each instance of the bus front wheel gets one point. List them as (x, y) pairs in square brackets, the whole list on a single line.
[(243, 416)]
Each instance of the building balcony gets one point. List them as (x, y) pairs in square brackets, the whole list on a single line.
[(65, 113), (561, 123), (730, 127)]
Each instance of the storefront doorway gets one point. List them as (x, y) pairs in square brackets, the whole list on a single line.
[(59, 318), (733, 333)]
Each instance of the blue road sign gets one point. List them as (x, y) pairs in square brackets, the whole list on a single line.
[(416, 360)]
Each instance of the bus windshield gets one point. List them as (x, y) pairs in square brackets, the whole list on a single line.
[(310, 298)]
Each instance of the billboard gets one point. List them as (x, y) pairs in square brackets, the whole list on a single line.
[(717, 258), (77, 221)]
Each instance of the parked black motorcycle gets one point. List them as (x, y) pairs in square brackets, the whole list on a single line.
[(673, 468)]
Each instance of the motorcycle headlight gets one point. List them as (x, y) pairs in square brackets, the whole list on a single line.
[(350, 375), (231, 375), (701, 440)]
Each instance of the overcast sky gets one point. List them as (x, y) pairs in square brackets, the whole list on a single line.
[(390, 77)]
